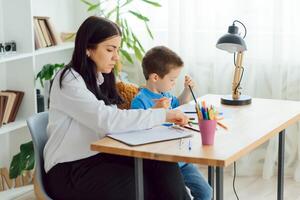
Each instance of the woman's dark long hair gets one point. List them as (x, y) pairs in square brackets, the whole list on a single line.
[(91, 32)]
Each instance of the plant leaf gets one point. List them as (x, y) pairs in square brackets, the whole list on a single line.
[(138, 42), (126, 25), (49, 74), (86, 2), (42, 82), (48, 71), (27, 156), (111, 12), (126, 55), (58, 66), (126, 3), (93, 7), (14, 169), (156, 4), (128, 44), (139, 16), (22, 161), (124, 39), (149, 31), (138, 53)]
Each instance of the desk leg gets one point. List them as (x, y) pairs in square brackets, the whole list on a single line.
[(211, 178), (139, 184), (280, 176), (219, 183)]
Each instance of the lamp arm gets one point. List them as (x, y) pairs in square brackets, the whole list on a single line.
[(238, 74)]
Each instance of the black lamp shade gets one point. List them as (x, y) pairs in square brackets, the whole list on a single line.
[(232, 41)]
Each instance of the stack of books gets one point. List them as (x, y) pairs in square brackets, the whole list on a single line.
[(10, 101), (44, 33)]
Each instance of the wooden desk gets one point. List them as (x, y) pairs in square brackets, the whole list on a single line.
[(249, 127)]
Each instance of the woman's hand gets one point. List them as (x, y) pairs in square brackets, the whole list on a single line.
[(162, 103), (177, 117), (188, 81)]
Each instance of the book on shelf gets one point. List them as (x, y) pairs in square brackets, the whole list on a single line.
[(3, 101), (46, 36), (10, 101), (17, 103), (11, 97), (44, 31), (54, 34), (40, 40)]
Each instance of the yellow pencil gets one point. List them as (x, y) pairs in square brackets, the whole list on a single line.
[(222, 125), (199, 114)]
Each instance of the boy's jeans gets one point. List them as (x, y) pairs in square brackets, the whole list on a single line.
[(194, 180)]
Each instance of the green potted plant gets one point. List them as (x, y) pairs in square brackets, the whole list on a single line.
[(47, 72), (22, 161), (45, 77), (118, 11)]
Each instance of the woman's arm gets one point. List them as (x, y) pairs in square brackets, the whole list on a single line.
[(76, 101)]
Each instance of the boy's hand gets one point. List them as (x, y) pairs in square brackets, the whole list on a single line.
[(188, 81), (162, 103), (177, 117)]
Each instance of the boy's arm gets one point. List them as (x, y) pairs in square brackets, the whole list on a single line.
[(185, 96), (186, 93), (137, 103)]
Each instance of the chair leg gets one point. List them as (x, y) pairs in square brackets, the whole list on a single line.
[(37, 191)]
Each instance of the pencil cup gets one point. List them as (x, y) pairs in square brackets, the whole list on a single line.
[(207, 129)]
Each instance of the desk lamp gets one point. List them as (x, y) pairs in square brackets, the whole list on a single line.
[(232, 42)]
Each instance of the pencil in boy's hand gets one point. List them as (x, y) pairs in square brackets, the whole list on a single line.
[(199, 114), (193, 94)]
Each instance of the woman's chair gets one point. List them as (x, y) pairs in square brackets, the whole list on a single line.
[(37, 125)]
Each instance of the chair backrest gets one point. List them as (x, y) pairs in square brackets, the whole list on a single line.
[(37, 125)]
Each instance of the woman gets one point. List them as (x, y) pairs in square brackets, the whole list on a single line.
[(82, 110)]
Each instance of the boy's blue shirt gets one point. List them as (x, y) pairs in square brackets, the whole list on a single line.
[(144, 100)]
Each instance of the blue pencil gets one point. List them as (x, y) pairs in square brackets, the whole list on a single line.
[(190, 145)]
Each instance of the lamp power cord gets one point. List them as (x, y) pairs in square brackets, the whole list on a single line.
[(245, 33), (233, 182)]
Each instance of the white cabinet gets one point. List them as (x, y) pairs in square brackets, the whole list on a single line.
[(18, 71)]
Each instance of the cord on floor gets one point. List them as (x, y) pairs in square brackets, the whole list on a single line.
[(233, 182)]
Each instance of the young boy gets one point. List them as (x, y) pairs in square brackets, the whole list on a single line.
[(161, 67)]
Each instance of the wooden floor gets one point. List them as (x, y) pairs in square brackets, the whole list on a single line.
[(248, 188)]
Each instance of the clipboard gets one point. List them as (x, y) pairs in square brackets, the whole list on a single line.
[(156, 134)]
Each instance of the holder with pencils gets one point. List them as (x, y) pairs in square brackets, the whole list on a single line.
[(204, 113), (207, 123)]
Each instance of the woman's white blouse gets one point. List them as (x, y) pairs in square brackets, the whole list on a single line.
[(77, 118)]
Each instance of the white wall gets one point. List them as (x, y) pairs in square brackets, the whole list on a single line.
[(61, 13)]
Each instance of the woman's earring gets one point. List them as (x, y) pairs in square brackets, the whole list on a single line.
[(88, 54)]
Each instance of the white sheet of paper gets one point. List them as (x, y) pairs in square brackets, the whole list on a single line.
[(156, 134)]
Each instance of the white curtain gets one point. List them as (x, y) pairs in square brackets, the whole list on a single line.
[(272, 62)]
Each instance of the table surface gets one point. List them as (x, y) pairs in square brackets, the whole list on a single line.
[(248, 127)]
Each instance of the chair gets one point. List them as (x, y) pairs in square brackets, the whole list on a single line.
[(37, 125)]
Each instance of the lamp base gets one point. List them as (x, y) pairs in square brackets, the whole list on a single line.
[(243, 100)]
